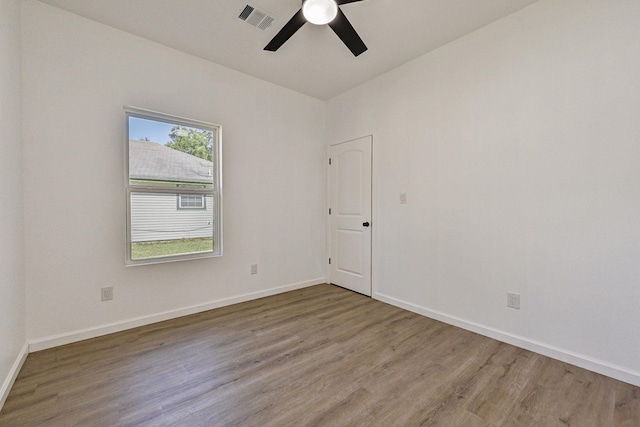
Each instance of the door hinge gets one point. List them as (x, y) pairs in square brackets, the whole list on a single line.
[(329, 260), (329, 211), (329, 161)]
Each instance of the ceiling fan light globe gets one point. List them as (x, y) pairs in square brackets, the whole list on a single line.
[(320, 12)]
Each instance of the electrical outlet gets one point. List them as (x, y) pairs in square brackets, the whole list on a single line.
[(513, 300), (254, 268), (106, 293), (403, 198)]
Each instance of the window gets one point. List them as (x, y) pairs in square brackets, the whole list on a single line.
[(174, 188), (191, 201)]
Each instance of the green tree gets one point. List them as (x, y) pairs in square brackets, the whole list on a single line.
[(197, 142)]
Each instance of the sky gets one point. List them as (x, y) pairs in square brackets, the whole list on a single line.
[(155, 131)]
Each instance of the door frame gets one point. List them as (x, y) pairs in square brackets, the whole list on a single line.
[(373, 275)]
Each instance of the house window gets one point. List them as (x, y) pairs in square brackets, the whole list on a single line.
[(191, 201), (172, 158)]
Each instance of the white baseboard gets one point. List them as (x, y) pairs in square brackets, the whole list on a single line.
[(582, 361), (13, 373), (83, 334)]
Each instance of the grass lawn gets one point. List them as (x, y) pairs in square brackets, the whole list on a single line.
[(145, 250)]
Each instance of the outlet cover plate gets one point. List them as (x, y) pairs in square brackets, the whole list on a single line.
[(403, 198), (106, 293), (513, 300)]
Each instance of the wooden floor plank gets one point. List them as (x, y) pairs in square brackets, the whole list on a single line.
[(312, 357)]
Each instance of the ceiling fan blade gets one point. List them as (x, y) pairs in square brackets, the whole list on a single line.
[(286, 32), (346, 1), (343, 28)]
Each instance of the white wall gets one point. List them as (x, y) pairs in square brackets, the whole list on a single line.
[(12, 290), (77, 76), (519, 148)]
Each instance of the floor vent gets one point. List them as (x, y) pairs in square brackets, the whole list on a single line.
[(257, 17)]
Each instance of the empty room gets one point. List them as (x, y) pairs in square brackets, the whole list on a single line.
[(320, 212)]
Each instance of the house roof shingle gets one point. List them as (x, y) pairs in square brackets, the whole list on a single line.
[(156, 162)]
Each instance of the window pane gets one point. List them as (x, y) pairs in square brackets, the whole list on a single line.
[(191, 201), (170, 155), (158, 229)]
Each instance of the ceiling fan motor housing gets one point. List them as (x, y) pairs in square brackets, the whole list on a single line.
[(319, 12)]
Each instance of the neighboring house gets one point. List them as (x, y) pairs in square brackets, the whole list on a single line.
[(173, 215)]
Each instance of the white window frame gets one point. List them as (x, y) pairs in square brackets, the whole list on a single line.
[(215, 192)]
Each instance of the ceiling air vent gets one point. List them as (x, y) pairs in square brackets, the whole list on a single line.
[(256, 16)]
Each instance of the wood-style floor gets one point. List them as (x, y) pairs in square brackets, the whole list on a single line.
[(320, 356)]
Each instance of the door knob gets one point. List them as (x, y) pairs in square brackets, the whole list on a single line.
[(365, 224)]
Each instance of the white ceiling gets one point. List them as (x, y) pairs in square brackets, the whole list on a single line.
[(314, 61)]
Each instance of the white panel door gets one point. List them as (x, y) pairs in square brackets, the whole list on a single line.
[(350, 215)]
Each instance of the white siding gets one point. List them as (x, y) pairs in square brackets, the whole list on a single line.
[(157, 217)]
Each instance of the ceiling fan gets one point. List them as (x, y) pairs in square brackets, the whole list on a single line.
[(321, 12)]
